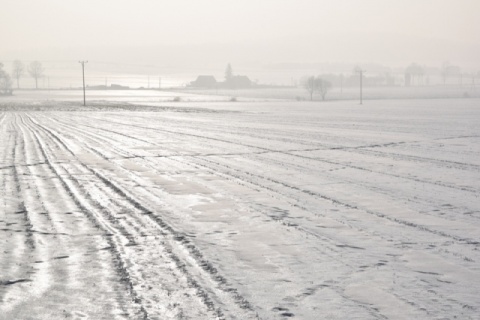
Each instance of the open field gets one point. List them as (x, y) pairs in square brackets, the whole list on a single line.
[(246, 210)]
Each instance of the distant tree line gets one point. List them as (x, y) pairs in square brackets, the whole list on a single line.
[(352, 79), (416, 74), (412, 75)]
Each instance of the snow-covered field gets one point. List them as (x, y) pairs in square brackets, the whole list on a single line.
[(240, 210)]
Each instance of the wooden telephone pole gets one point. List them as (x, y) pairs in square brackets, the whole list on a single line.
[(361, 72), (83, 74)]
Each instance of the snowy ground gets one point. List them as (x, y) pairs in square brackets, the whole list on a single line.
[(348, 93), (239, 210)]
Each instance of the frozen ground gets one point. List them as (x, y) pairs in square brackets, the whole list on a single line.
[(240, 210)]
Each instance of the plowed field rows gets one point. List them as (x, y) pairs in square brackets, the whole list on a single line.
[(240, 211)]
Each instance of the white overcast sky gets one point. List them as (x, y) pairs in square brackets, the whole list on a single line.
[(388, 26)]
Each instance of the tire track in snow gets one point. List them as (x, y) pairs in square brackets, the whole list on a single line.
[(15, 247), (147, 160), (333, 247), (348, 205), (383, 189), (220, 289), (351, 206), (300, 227), (79, 247), (345, 204), (71, 187), (219, 170), (289, 153)]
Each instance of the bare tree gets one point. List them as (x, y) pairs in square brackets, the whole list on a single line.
[(18, 71), (36, 71), (5, 82), (309, 83), (322, 86)]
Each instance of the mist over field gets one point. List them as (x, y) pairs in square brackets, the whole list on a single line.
[(239, 159), (273, 42)]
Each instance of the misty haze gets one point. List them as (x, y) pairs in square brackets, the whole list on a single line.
[(239, 159)]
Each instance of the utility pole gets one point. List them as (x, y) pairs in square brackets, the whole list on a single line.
[(83, 74), (159, 83), (361, 72)]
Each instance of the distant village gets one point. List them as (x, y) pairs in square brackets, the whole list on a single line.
[(235, 82), (231, 81)]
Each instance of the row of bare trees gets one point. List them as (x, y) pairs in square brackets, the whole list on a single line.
[(34, 69)]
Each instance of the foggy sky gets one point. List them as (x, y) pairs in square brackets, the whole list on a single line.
[(246, 31)]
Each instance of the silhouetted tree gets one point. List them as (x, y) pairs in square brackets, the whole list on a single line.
[(5, 82), (309, 84), (228, 72), (18, 71), (322, 86), (36, 71)]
